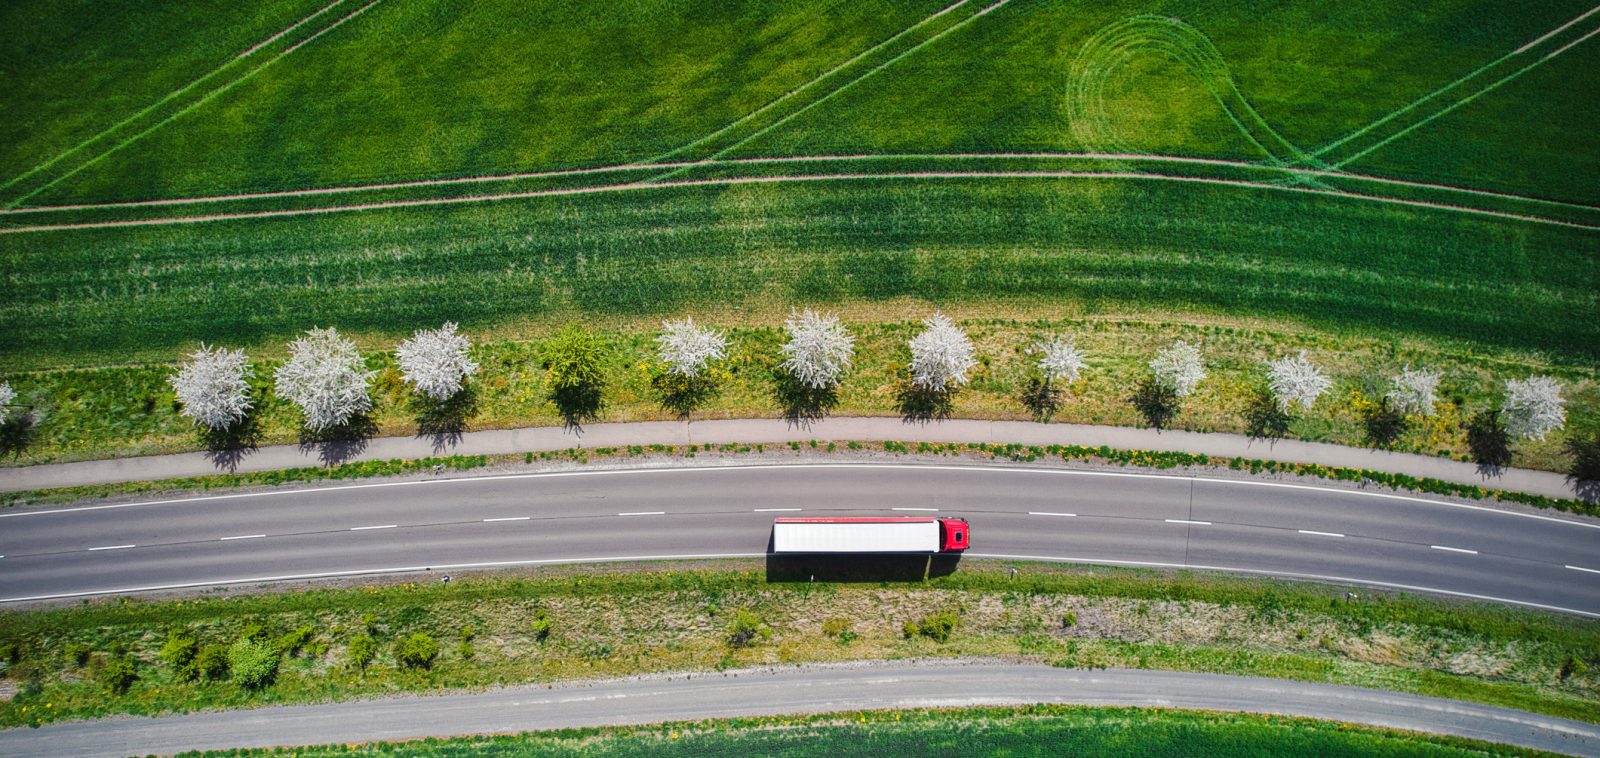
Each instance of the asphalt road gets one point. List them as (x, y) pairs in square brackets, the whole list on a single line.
[(452, 524), (789, 690)]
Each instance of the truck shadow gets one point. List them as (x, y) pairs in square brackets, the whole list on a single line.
[(859, 568)]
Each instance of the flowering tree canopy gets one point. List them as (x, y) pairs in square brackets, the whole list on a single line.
[(1413, 391), (1534, 407), (686, 348), (941, 355), (1058, 359), (1179, 368), (6, 396), (214, 387), (1295, 380), (819, 349), (326, 377), (435, 361)]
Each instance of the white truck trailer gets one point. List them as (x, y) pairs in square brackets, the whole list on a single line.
[(919, 535)]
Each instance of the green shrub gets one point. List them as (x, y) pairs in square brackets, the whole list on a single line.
[(361, 651), (118, 675), (935, 626), (254, 630), (212, 663), (747, 629), (253, 663), (1069, 620), (369, 622), (835, 626), (416, 651), (77, 654), (465, 650), (290, 644), (540, 628), (1574, 666), (179, 652), (575, 358)]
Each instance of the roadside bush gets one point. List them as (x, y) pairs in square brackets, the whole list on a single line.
[(935, 626), (835, 626), (416, 651), (118, 675), (253, 663), (464, 648), (1574, 666), (747, 629), (77, 654), (361, 651), (211, 663), (290, 644), (179, 653), (541, 626), (1069, 620)]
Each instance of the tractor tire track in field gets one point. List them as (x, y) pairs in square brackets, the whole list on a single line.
[(899, 176), (183, 105)]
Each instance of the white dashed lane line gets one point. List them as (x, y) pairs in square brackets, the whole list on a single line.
[(932, 510), (776, 510), (112, 547), (365, 528), (1570, 566), (1454, 549), (1319, 534), (1048, 513), (1187, 521), (507, 518), (644, 513), (244, 537)]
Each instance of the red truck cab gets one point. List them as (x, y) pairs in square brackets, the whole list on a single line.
[(955, 533)]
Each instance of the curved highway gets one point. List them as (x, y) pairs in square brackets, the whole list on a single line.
[(1017, 513)]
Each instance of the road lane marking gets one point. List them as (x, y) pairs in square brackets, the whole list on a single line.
[(1048, 513), (112, 547), (1570, 566), (1187, 521), (244, 537), (1291, 574), (391, 570), (364, 528), (507, 518), (933, 510), (753, 467), (775, 510), (1319, 534), (644, 513), (1454, 549)]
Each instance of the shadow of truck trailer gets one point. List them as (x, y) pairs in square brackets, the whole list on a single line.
[(869, 549)]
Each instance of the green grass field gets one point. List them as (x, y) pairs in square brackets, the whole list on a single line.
[(1261, 151), (1009, 732)]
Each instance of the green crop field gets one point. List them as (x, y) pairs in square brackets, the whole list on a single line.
[(238, 173), (1009, 732)]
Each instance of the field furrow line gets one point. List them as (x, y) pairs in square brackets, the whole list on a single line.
[(798, 178), (208, 97), (169, 97)]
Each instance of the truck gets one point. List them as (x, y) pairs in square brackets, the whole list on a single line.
[(887, 534)]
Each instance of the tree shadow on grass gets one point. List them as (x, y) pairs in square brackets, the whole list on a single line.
[(1264, 419), (683, 394), (919, 405), (443, 422), (1042, 398), (803, 405), (227, 448), (18, 432), (1489, 442), (1383, 424), (339, 444), (1156, 402), (577, 405)]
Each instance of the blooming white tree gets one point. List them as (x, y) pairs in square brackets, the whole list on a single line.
[(214, 387), (941, 355), (1534, 407), (6, 396), (819, 349), (435, 361), (1414, 391), (326, 377), (1295, 380), (1179, 368), (1058, 359), (687, 348)]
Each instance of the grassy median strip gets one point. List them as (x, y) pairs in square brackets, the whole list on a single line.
[(992, 731), (219, 651)]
